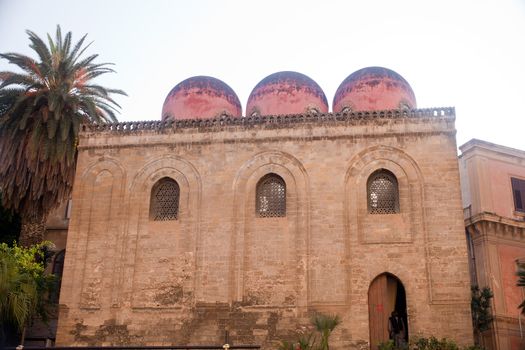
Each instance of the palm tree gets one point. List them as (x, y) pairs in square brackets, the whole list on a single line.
[(41, 112), (521, 283)]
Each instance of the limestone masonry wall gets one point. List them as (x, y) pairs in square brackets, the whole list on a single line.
[(131, 280)]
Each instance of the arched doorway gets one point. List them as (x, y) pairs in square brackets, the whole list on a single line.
[(385, 295)]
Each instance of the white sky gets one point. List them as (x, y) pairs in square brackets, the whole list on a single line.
[(467, 54)]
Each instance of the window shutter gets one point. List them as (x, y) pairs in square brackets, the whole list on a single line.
[(518, 190)]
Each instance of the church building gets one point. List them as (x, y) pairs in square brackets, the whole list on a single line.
[(209, 222)]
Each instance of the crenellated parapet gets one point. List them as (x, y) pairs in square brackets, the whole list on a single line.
[(130, 127)]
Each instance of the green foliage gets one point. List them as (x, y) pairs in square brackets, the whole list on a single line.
[(480, 307), (285, 345), (433, 343), (306, 342), (42, 108), (521, 283), (324, 325), (388, 345), (23, 283)]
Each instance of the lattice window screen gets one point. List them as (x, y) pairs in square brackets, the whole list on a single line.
[(271, 196), (383, 193), (165, 200)]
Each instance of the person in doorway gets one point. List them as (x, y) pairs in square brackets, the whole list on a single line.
[(396, 329)]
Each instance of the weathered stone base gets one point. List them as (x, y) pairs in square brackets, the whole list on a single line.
[(209, 324), (206, 324)]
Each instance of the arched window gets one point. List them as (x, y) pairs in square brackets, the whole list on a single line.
[(270, 199), (382, 193), (164, 203), (58, 269)]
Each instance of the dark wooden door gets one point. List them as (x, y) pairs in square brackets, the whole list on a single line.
[(378, 311)]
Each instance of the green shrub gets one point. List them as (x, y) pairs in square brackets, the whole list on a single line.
[(433, 343), (388, 345), (324, 325)]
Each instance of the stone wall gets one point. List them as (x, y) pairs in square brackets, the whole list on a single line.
[(130, 280)]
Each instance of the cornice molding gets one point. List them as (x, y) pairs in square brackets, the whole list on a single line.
[(490, 150), (448, 113), (176, 143), (495, 225)]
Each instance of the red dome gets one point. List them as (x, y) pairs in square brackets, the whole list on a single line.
[(373, 88), (286, 93), (200, 98)]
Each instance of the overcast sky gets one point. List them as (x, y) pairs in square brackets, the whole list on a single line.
[(467, 54)]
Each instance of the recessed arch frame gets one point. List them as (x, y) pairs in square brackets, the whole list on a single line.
[(139, 191), (295, 176)]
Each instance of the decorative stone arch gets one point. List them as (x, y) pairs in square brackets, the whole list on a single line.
[(410, 186), (138, 213), (297, 215), (369, 238), (82, 229)]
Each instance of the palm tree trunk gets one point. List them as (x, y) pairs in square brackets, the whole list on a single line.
[(32, 230)]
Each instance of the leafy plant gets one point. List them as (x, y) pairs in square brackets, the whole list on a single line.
[(432, 343), (325, 324), (480, 307), (306, 342), (23, 284), (285, 345), (388, 345)]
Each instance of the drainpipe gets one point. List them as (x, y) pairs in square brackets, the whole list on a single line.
[(472, 256), (519, 321)]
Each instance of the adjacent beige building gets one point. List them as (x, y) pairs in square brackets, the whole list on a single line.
[(493, 186)]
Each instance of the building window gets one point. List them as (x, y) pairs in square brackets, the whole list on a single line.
[(382, 193), (165, 200), (518, 191), (58, 269), (271, 196)]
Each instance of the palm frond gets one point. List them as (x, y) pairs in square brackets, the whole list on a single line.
[(67, 44), (84, 63), (27, 64), (73, 54), (58, 39), (11, 78), (40, 48)]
